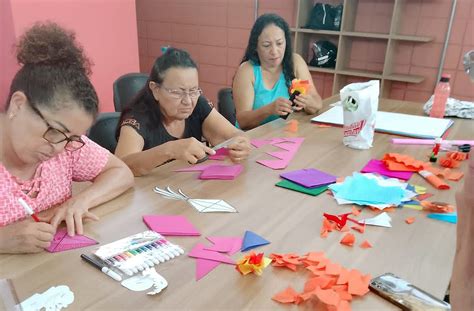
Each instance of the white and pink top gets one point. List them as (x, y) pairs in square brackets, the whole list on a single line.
[(52, 183)]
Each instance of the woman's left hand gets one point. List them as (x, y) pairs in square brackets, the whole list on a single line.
[(239, 149), (73, 211)]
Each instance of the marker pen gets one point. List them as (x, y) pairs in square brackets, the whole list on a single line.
[(162, 249), (156, 253), (28, 209), (149, 254), (102, 267), (175, 247)]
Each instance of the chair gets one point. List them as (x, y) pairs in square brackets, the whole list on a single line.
[(225, 104), (126, 87), (103, 130)]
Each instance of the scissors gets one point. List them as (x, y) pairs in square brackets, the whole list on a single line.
[(215, 148)]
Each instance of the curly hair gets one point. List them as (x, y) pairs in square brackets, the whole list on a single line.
[(54, 70), (251, 51)]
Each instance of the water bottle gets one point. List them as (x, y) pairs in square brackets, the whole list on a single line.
[(441, 95)]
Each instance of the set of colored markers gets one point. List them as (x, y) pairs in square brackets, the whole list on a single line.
[(138, 252)]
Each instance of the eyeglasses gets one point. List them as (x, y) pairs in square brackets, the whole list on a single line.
[(178, 94), (54, 136)]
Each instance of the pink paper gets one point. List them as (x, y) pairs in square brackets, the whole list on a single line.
[(223, 172), (199, 252), (170, 225), (377, 166), (229, 245), (221, 154), (289, 145), (63, 242), (204, 266)]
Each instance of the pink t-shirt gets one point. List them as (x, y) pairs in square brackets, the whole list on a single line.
[(52, 181)]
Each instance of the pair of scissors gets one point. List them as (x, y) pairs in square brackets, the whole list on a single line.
[(215, 148)]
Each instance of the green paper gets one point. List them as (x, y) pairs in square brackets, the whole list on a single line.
[(292, 186)]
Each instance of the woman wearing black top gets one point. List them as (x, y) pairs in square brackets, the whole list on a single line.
[(169, 117)]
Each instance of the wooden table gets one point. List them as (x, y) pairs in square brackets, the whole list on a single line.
[(421, 253)]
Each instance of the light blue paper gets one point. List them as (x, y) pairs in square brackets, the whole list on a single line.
[(364, 190), (448, 217)]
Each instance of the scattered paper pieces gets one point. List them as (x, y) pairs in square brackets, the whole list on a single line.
[(289, 147), (458, 156), (402, 162), (329, 283), (55, 298), (448, 162), (199, 251), (381, 220), (309, 177), (410, 220), (365, 244), (348, 239), (229, 245), (451, 217), (170, 225), (252, 240), (377, 166), (202, 205), (295, 187), (63, 242), (252, 263), (292, 126), (437, 207)]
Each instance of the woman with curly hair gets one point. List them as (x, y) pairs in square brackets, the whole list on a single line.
[(50, 106), (262, 81)]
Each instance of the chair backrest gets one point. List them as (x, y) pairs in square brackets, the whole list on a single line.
[(225, 104), (103, 130), (126, 87)]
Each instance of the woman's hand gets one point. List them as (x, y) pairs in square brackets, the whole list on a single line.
[(189, 149), (307, 103), (26, 236), (239, 149), (280, 106), (73, 211)]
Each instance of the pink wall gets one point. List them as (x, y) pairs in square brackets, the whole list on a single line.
[(215, 32), (106, 29)]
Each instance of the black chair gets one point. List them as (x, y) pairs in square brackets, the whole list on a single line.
[(126, 87), (103, 130), (225, 104)]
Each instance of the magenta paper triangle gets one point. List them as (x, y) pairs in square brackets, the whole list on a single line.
[(290, 147), (230, 245), (63, 242), (282, 155), (170, 225), (204, 266), (199, 252), (377, 166), (257, 143)]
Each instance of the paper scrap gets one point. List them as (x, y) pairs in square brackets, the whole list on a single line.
[(377, 166), (348, 239), (199, 251), (309, 177), (365, 244), (174, 225), (451, 217), (381, 220), (410, 220), (252, 240)]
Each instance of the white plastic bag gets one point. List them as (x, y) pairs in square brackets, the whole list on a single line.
[(360, 102)]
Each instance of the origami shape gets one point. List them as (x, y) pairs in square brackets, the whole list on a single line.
[(63, 242), (202, 205), (170, 225), (252, 263), (252, 240)]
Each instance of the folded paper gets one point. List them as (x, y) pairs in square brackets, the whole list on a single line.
[(295, 187), (63, 242), (170, 225), (309, 178), (252, 240), (377, 166)]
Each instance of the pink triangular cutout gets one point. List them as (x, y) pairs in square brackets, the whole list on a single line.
[(204, 266), (63, 242), (230, 245)]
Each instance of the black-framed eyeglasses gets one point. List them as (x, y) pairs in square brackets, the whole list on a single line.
[(54, 136)]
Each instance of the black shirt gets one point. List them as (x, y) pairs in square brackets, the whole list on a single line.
[(150, 126)]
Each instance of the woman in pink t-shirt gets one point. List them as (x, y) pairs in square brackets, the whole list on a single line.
[(50, 106)]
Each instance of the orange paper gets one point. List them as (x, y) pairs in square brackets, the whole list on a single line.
[(458, 156), (355, 211), (286, 296), (448, 162), (402, 162), (410, 220), (365, 244), (292, 126), (348, 239), (299, 85), (434, 180), (437, 207)]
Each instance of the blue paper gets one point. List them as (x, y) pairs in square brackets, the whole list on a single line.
[(252, 240), (448, 217), (367, 191)]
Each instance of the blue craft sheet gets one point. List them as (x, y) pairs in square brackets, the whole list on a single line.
[(367, 191), (447, 217), (252, 240)]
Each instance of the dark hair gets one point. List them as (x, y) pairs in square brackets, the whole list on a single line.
[(144, 101), (251, 51), (54, 69)]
